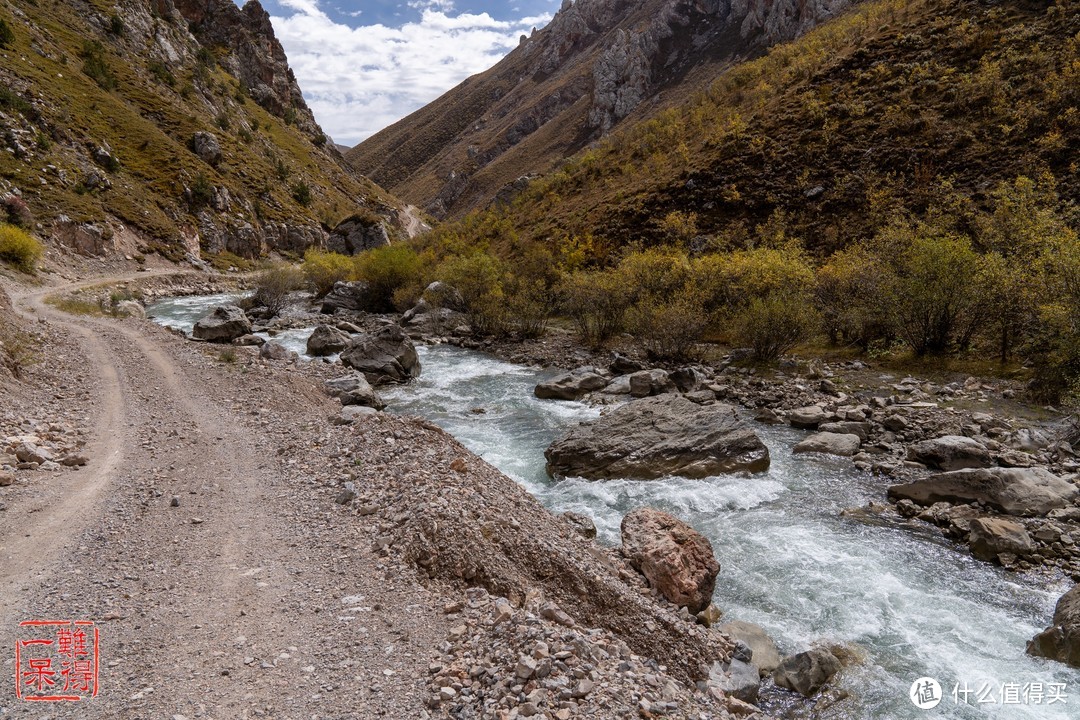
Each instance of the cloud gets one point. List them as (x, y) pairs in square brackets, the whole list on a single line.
[(359, 80)]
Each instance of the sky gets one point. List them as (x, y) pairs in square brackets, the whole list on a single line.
[(363, 64)]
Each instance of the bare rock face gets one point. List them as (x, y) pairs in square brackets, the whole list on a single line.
[(1061, 641), (256, 56), (356, 234), (384, 356), (207, 147), (676, 559), (656, 437), (950, 452), (1025, 492), (224, 324)]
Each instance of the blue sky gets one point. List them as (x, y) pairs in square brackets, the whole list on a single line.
[(363, 64)]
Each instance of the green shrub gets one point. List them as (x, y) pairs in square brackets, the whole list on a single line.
[(479, 278), (96, 66), (18, 348), (387, 270), (597, 302), (7, 35), (301, 193), (161, 73), (774, 324), (116, 25), (19, 249), (273, 286), (850, 291), (668, 329), (323, 269), (202, 191)]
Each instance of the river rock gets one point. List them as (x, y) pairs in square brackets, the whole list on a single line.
[(688, 380), (1061, 641), (676, 559), (274, 350), (764, 653), (736, 678), (806, 672), (326, 340), (350, 296), (861, 429), (384, 356), (618, 386), (354, 390), (991, 537), (950, 452), (581, 523), (807, 418), (650, 382), (830, 443), (224, 324), (622, 365), (130, 308), (1025, 492), (659, 436), (571, 385)]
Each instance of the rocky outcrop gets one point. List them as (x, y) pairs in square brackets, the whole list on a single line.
[(207, 147), (677, 560), (571, 386), (356, 234), (384, 356), (991, 538), (326, 340), (224, 324), (1061, 641), (255, 55), (950, 452), (807, 672), (1025, 492), (829, 443), (656, 437)]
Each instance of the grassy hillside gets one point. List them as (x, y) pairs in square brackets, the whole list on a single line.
[(892, 107), (131, 79)]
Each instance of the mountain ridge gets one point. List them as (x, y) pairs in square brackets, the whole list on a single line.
[(596, 63)]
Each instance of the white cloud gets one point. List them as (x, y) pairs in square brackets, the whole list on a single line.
[(359, 80)]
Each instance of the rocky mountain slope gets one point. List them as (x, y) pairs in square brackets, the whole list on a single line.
[(150, 125), (595, 64), (891, 107)]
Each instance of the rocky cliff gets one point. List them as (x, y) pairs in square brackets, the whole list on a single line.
[(168, 126), (595, 64)]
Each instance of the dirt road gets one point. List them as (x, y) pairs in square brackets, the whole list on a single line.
[(222, 585)]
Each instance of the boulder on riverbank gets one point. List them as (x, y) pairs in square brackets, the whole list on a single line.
[(385, 356), (354, 390), (950, 452), (675, 558), (659, 436), (1025, 492), (764, 653), (992, 537), (224, 324), (326, 340), (1061, 641), (571, 385), (830, 443)]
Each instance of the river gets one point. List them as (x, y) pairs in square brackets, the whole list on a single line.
[(909, 602)]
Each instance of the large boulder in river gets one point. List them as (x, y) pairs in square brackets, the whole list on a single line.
[(950, 452), (1061, 641), (571, 385), (385, 356), (806, 672), (993, 536), (829, 443), (224, 324), (675, 558), (326, 340), (350, 296), (658, 436), (1026, 492)]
